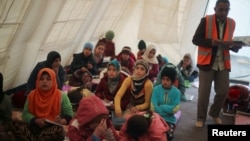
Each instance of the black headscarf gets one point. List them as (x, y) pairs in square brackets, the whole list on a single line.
[(51, 58)]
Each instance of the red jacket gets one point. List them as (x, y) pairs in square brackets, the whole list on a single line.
[(109, 50), (89, 108), (102, 91)]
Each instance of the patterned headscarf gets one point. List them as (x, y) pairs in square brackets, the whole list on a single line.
[(143, 63), (138, 83), (116, 64), (112, 83)]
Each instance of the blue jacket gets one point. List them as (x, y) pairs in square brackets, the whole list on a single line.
[(166, 102)]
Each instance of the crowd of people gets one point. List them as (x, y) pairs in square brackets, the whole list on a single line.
[(145, 90)]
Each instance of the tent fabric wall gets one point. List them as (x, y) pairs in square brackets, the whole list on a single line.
[(65, 25)]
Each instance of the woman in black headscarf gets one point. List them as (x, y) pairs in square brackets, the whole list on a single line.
[(53, 61)]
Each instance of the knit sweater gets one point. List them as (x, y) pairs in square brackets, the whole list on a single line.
[(146, 91), (166, 102)]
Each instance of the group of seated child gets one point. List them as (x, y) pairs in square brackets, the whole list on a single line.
[(91, 121), (134, 94), (146, 96)]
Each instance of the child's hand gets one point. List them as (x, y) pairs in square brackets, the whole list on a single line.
[(40, 122), (60, 120), (106, 100), (184, 65), (83, 69), (101, 128), (133, 110), (89, 66), (112, 106)]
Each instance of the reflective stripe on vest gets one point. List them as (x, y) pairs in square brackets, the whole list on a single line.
[(205, 53)]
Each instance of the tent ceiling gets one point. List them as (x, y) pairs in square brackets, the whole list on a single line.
[(29, 29)]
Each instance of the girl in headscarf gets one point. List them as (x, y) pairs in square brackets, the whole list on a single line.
[(140, 88), (150, 56), (187, 68), (45, 102), (53, 61), (84, 61), (110, 84), (126, 60), (81, 79)]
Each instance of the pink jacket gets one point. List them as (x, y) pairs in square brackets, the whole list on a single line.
[(89, 108), (156, 132)]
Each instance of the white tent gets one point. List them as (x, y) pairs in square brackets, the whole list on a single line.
[(29, 29)]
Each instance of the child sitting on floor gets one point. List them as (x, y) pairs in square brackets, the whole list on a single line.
[(140, 88), (45, 102), (166, 99), (92, 122), (144, 126), (110, 84), (76, 95), (187, 68), (81, 79)]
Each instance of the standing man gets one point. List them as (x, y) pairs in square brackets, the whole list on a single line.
[(214, 40)]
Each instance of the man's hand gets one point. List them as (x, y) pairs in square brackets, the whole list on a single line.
[(216, 42)]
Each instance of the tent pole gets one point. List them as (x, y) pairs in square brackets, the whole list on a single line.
[(204, 14)]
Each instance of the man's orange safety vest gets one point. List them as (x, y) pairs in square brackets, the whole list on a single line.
[(205, 53)]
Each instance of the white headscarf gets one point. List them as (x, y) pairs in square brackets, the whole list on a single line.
[(145, 55)]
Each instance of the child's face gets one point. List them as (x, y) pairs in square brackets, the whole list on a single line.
[(56, 63), (86, 77), (139, 71), (125, 56), (186, 61), (112, 72), (151, 53), (166, 82), (45, 82), (99, 49), (87, 51)]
